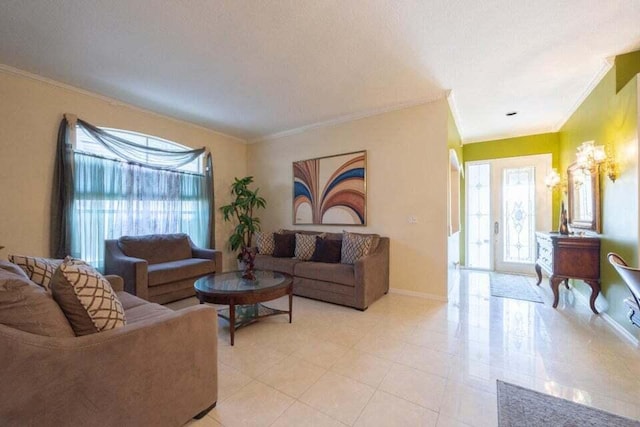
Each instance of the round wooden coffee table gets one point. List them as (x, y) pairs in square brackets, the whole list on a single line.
[(244, 296)]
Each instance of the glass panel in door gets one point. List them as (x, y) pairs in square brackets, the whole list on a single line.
[(518, 213), (479, 216)]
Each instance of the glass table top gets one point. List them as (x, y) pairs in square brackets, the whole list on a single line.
[(233, 282)]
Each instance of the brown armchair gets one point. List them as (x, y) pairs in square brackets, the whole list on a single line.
[(159, 267)]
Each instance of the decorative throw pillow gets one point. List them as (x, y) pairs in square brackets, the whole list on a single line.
[(285, 245), (306, 245), (327, 250), (39, 270), (265, 243), (86, 298), (356, 246)]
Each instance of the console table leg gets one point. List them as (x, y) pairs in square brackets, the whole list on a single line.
[(539, 273), (232, 320), (555, 284), (595, 290)]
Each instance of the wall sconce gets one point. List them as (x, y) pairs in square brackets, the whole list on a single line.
[(590, 156), (552, 179)]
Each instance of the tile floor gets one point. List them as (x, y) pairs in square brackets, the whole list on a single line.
[(415, 362)]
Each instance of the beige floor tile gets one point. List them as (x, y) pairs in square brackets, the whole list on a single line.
[(386, 347), (415, 386), (204, 422), (339, 397), (299, 415), (386, 410), (470, 405), (254, 405), (362, 367), (292, 376), (251, 360), (230, 380), (321, 353), (427, 360), (444, 421)]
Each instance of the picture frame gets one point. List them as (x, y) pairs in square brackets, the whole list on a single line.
[(331, 190)]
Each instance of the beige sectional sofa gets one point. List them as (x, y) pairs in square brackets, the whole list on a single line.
[(353, 285), (159, 369), (159, 267)]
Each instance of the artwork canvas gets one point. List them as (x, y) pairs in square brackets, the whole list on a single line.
[(330, 190)]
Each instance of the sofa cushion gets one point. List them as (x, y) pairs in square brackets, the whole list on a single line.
[(13, 268), (39, 270), (146, 311), (267, 262), (171, 271), (285, 245), (86, 298), (28, 307), (129, 301), (327, 250), (156, 248), (336, 273), (306, 245), (356, 246), (265, 243)]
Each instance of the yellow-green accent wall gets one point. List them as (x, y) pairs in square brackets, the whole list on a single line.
[(610, 117)]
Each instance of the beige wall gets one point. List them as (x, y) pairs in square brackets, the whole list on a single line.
[(30, 112), (407, 161)]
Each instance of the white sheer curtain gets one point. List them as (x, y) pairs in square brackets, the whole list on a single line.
[(113, 199), (142, 192)]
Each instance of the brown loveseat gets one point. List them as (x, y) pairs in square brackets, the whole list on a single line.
[(159, 267), (160, 369), (354, 285)]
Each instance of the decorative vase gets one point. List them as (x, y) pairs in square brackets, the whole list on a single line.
[(248, 258), (564, 227)]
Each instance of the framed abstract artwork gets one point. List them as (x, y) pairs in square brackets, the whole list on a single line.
[(330, 190)]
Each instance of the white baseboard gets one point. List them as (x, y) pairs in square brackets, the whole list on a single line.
[(423, 295), (617, 327)]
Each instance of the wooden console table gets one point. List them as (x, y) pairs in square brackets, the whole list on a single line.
[(565, 257)]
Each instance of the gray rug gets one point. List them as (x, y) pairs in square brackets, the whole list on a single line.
[(521, 407), (513, 286)]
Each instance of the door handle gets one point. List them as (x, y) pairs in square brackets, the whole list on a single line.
[(496, 227)]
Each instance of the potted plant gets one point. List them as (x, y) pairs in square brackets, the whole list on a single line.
[(240, 210)]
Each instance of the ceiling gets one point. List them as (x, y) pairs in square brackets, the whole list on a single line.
[(253, 69)]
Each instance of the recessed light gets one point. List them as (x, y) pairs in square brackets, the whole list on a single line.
[(511, 113)]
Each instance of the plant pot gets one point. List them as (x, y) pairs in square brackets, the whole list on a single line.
[(247, 261)]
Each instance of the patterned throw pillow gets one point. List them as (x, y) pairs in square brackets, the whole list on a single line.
[(306, 245), (86, 298), (265, 243), (39, 270), (356, 246)]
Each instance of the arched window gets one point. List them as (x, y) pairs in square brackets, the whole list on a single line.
[(119, 182)]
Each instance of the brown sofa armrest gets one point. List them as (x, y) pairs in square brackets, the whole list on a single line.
[(116, 282), (134, 271), (160, 371), (372, 275)]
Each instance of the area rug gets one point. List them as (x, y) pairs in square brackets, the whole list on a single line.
[(521, 407), (513, 286)]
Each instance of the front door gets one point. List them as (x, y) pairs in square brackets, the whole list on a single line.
[(507, 202)]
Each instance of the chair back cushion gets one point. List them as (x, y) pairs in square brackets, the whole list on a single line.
[(30, 308), (156, 248)]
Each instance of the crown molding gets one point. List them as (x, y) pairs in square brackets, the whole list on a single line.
[(111, 101), (607, 64), (346, 118), (500, 136), (453, 106)]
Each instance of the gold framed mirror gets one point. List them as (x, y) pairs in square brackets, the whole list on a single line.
[(583, 194)]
